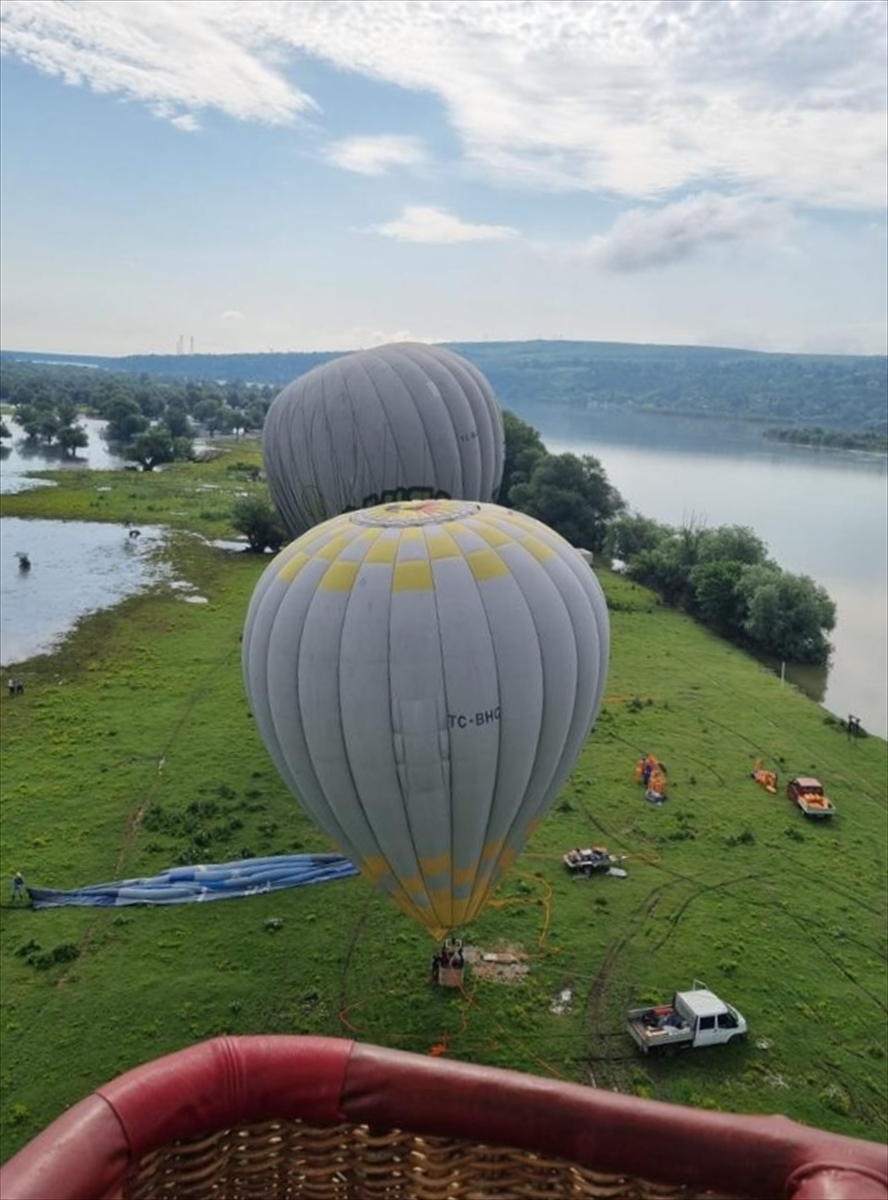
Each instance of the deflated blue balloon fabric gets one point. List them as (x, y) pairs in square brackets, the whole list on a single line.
[(213, 881)]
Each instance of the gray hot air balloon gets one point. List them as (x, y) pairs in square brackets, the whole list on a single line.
[(424, 675), (400, 422)]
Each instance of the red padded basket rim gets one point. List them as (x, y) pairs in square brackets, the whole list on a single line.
[(331, 1081)]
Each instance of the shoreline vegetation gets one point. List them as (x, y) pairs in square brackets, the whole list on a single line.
[(831, 439), (132, 749)]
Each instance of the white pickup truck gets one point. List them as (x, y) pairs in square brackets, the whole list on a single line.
[(694, 1018)]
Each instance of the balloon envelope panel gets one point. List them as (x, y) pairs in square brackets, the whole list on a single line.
[(397, 422), (424, 675)]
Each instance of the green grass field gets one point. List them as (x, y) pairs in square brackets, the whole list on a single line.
[(133, 749)]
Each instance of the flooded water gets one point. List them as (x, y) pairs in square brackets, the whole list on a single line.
[(76, 567), (21, 456), (821, 513)]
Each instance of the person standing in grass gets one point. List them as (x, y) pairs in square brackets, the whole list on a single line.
[(18, 887)]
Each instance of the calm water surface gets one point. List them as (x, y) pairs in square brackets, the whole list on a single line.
[(19, 457), (821, 513), (77, 567)]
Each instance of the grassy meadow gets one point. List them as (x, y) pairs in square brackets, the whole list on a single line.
[(132, 749)]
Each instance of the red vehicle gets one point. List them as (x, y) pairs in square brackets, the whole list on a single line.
[(808, 794)]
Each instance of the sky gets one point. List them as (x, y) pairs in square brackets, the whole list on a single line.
[(277, 175)]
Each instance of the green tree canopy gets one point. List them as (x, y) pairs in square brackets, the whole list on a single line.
[(125, 420), (716, 599), (736, 543), (573, 496), (523, 450), (257, 518), (72, 437), (153, 447), (787, 616), (630, 534)]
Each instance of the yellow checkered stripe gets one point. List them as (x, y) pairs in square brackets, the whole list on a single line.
[(441, 897), (346, 546)]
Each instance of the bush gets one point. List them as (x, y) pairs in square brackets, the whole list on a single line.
[(257, 519)]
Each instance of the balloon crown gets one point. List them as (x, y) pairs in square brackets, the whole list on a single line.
[(415, 512)]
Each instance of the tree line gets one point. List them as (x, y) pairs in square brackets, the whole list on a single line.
[(844, 392), (875, 443), (723, 577), (149, 420)]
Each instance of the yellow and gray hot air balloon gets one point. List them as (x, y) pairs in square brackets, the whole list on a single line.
[(424, 675), (399, 422)]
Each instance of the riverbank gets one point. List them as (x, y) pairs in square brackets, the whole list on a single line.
[(132, 749)]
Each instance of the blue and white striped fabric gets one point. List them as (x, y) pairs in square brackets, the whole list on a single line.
[(213, 881)]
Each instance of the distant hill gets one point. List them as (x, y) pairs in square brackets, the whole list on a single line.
[(830, 391)]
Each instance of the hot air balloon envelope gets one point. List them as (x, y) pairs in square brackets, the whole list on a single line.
[(398, 422), (424, 675)]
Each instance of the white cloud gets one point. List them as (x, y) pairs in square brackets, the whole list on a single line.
[(636, 98), (418, 223), (232, 314), (178, 59), (374, 155), (644, 237)]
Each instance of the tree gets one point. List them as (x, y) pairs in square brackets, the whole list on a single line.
[(176, 420), (787, 616), (153, 447), (208, 413), (39, 421), (125, 419), (715, 596), (257, 518), (523, 450), (4, 430), (667, 565), (737, 543), (573, 496), (629, 535), (72, 437)]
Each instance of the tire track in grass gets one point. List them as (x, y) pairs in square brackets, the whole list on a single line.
[(597, 997), (826, 885), (812, 937), (701, 890), (346, 966), (789, 727), (778, 905), (134, 817)]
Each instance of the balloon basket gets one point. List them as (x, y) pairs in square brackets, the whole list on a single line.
[(449, 964), (451, 977), (311, 1118)]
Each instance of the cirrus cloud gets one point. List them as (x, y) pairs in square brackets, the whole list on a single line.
[(177, 59)]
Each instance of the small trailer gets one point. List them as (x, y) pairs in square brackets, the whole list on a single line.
[(695, 1018)]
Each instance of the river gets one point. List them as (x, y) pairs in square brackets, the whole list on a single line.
[(821, 513)]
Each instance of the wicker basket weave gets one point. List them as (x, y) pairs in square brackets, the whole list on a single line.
[(283, 1160)]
